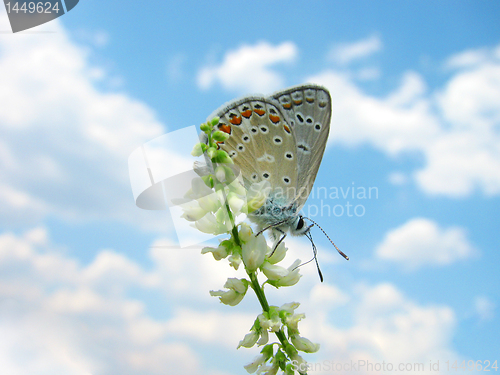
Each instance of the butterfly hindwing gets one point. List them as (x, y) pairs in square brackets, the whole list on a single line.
[(307, 109)]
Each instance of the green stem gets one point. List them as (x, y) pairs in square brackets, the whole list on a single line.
[(265, 307)]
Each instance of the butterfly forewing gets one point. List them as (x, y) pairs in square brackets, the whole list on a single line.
[(260, 142)]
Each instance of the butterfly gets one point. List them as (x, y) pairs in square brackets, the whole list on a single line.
[(280, 139)]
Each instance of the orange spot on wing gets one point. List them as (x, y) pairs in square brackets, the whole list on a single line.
[(225, 128), (310, 100), (275, 119), (247, 113), (287, 105), (298, 102), (287, 129), (260, 112), (235, 120)]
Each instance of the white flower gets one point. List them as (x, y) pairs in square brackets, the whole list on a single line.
[(237, 186), (304, 345), (218, 253), (209, 202), (198, 189), (257, 361), (278, 255), (289, 307), (292, 321), (208, 224), (235, 203), (254, 252), (245, 232), (299, 364), (235, 261), (270, 370), (274, 272), (293, 275), (274, 324), (220, 173), (235, 293), (264, 337), (249, 340), (223, 219), (192, 211)]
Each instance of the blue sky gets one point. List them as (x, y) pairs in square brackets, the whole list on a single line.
[(416, 114)]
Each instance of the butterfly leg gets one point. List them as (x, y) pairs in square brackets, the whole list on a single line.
[(279, 241)]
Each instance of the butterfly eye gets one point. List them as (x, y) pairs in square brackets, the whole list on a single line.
[(289, 155), (317, 126), (233, 153), (300, 224), (286, 180), (300, 118), (246, 138), (277, 140), (254, 130), (266, 175), (240, 147), (264, 129), (254, 177), (309, 120)]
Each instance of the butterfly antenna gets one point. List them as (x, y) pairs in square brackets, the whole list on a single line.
[(340, 252), (315, 258)]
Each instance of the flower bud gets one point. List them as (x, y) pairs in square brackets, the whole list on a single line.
[(212, 152), (198, 149), (205, 127), (215, 121), (220, 136)]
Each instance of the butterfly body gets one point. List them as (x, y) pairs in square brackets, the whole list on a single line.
[(280, 139)]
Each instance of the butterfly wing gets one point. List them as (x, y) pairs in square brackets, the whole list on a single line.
[(261, 142), (307, 108)]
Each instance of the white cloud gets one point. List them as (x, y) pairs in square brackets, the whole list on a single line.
[(64, 142), (368, 74), (467, 156), (422, 242), (382, 325), (396, 124), (398, 178), (249, 68), (348, 52), (468, 58), (455, 127), (58, 315), (485, 308)]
